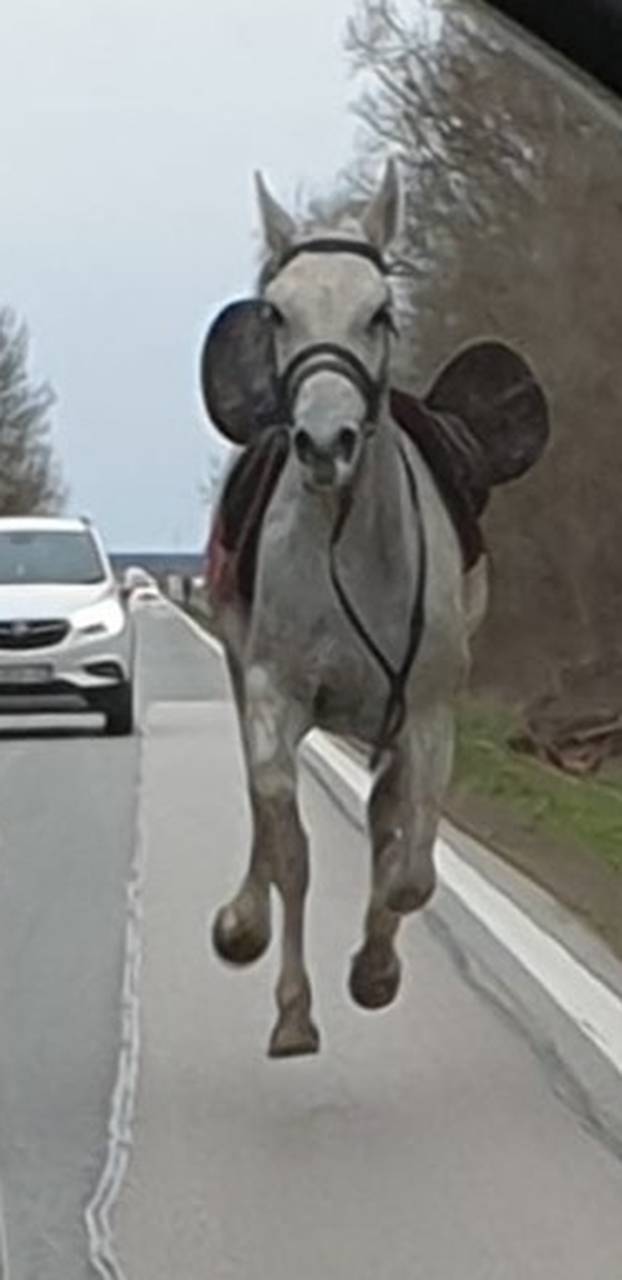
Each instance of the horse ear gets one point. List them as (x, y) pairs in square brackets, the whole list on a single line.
[(383, 217), (278, 227), (239, 378)]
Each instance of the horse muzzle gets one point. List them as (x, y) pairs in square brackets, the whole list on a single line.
[(329, 454), (327, 430)]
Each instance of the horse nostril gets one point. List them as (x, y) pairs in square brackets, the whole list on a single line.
[(346, 443), (303, 445), (312, 454)]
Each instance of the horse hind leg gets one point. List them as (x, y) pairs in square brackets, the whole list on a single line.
[(404, 813)]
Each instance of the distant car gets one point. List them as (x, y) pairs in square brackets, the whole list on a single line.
[(66, 639), (139, 587), (136, 577), (149, 594)]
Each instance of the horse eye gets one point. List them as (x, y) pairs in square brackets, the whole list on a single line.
[(277, 317), (383, 317)]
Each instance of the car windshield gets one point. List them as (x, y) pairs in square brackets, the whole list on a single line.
[(31, 557)]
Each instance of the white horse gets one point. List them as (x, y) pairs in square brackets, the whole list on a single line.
[(361, 609)]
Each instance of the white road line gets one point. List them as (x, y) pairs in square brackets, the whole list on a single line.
[(4, 1246), (590, 1003), (98, 1211), (198, 631)]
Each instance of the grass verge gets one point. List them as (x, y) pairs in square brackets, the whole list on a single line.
[(553, 805), (564, 832)]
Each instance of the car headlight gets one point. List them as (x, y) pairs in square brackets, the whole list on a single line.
[(104, 619)]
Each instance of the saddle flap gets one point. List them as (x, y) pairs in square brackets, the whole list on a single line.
[(239, 380), (492, 389)]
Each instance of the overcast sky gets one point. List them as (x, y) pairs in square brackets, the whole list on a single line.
[(129, 130)]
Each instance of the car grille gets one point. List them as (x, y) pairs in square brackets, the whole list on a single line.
[(38, 633)]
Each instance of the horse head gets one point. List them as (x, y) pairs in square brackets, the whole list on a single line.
[(312, 351)]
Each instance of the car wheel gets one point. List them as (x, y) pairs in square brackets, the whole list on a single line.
[(120, 713)]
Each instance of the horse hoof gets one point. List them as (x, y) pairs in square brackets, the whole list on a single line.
[(293, 1039), (375, 978), (240, 939)]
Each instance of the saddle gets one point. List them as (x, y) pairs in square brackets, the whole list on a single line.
[(450, 450), (483, 422)]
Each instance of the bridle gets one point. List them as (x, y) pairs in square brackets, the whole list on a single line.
[(331, 357), (334, 358)]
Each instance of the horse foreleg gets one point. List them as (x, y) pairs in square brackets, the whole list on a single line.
[(404, 814), (295, 1032), (242, 929), (272, 729)]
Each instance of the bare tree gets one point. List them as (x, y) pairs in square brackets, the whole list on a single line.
[(436, 93), (512, 230), (29, 478)]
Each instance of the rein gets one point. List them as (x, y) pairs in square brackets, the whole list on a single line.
[(395, 710)]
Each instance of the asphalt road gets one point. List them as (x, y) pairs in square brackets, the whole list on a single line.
[(427, 1141), (68, 822)]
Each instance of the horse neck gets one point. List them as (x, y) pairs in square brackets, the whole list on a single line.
[(378, 508)]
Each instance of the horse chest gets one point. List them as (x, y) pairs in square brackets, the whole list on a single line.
[(322, 662)]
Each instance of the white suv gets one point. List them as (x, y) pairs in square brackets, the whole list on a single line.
[(66, 640)]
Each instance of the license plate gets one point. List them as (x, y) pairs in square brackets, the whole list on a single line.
[(25, 675)]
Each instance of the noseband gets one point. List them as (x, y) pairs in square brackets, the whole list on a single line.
[(332, 357)]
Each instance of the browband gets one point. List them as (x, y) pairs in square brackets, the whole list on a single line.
[(336, 244)]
